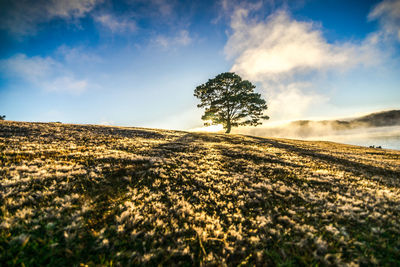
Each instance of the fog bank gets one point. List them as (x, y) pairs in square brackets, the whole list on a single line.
[(376, 129)]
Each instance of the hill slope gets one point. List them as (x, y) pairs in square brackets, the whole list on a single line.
[(380, 119), (74, 194)]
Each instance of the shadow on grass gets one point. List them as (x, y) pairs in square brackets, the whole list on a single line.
[(108, 193), (390, 177)]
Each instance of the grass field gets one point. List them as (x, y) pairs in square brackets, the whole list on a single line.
[(96, 195)]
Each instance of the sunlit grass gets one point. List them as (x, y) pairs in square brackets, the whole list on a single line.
[(209, 129), (75, 194)]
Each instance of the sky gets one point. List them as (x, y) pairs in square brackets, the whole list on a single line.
[(137, 62)]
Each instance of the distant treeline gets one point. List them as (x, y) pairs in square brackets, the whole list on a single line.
[(307, 128), (378, 119)]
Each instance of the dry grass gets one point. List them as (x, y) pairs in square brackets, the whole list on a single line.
[(73, 194)]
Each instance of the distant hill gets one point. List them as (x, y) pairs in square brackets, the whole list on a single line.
[(310, 128), (378, 119)]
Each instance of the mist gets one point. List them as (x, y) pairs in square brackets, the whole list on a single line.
[(376, 129)]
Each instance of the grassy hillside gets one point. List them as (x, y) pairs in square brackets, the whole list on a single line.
[(73, 194)]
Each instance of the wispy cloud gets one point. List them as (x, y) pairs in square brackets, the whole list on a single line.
[(388, 14), (21, 18), (181, 39), (116, 24), (164, 8), (43, 72), (69, 8), (77, 55)]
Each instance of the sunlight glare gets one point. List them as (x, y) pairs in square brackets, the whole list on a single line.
[(209, 129)]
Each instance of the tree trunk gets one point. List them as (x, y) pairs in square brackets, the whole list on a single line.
[(228, 126)]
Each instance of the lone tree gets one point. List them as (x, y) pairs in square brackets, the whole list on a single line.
[(230, 101), (2, 117)]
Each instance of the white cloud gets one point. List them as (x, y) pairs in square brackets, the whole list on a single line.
[(280, 46), (43, 72), (284, 55), (388, 14), (181, 39), (21, 18), (116, 24), (291, 102)]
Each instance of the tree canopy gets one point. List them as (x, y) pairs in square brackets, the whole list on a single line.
[(2, 117), (230, 101)]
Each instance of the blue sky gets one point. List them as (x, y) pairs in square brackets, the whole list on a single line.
[(137, 62)]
